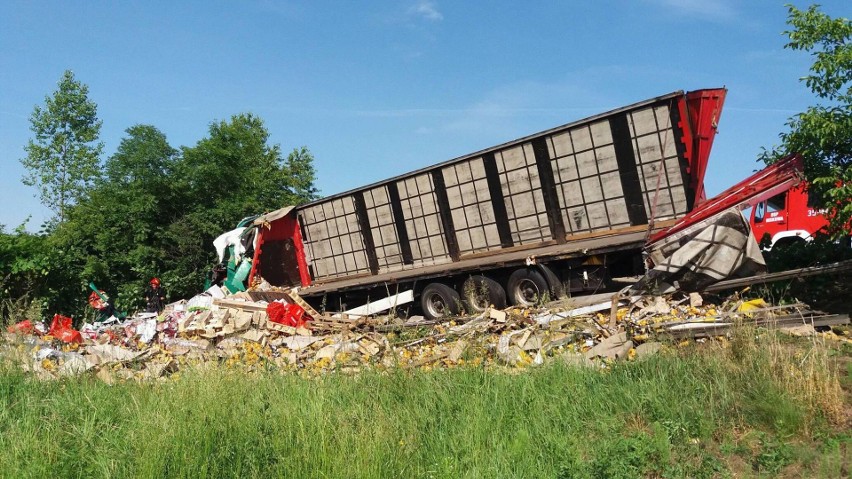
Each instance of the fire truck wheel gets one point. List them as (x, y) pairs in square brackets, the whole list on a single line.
[(439, 300), (479, 292), (526, 287)]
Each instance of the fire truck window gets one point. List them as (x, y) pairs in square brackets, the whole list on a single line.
[(777, 202), (813, 200), (759, 212)]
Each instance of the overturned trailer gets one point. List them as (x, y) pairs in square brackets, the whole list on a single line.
[(555, 212)]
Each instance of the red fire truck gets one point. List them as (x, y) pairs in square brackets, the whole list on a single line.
[(781, 207), (787, 217)]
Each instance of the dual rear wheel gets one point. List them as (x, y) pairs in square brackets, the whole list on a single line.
[(525, 287)]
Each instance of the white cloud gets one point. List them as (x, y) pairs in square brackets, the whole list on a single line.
[(426, 9)]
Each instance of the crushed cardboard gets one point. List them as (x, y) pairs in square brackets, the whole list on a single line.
[(235, 332)]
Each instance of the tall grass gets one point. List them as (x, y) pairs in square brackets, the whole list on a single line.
[(799, 368), (668, 415)]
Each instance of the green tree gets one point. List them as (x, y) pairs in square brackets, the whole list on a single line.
[(116, 236), (24, 269), (142, 158), (301, 174), (63, 156), (233, 173), (823, 132)]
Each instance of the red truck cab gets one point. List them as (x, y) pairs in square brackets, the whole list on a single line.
[(788, 216)]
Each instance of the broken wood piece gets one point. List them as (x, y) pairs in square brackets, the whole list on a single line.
[(302, 331), (154, 370), (425, 361), (254, 335), (534, 341), (647, 349), (416, 321), (695, 300), (379, 306), (198, 320), (369, 347), (242, 320), (546, 318), (219, 319), (332, 350), (298, 343), (108, 353), (613, 312), (480, 323), (497, 315), (505, 351), (800, 330), (244, 305), (296, 299), (614, 347), (458, 349), (273, 326)]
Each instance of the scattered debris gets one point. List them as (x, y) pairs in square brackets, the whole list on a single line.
[(243, 330)]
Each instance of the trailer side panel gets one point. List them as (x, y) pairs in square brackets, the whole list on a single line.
[(614, 171)]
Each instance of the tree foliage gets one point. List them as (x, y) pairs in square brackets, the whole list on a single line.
[(149, 210), (63, 156), (823, 132), (116, 237), (232, 173), (157, 209), (24, 267)]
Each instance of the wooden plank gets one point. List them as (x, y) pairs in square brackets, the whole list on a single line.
[(295, 298), (243, 305), (381, 305)]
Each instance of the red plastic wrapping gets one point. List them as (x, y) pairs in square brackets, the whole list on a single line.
[(96, 302), (286, 314), (61, 329), (24, 327)]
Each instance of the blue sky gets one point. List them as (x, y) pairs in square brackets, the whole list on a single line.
[(378, 88)]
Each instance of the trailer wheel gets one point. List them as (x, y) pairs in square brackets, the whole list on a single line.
[(439, 300), (479, 292), (556, 288), (526, 287)]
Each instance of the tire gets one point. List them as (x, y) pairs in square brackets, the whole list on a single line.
[(439, 300), (787, 242), (556, 288), (479, 292), (526, 287)]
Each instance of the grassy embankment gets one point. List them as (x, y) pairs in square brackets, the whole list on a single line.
[(751, 408)]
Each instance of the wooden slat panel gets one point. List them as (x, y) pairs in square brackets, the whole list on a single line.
[(471, 207), (454, 210)]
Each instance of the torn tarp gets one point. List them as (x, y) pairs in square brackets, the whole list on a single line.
[(717, 248), (231, 238)]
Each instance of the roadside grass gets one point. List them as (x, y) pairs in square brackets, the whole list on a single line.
[(759, 406)]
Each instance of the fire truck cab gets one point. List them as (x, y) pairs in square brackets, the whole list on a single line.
[(788, 216)]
